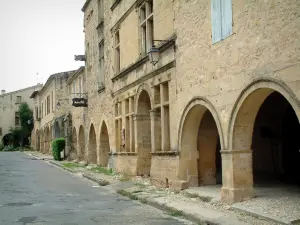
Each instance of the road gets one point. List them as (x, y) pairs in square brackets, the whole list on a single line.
[(33, 192)]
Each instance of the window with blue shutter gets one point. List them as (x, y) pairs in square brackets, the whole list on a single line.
[(221, 16)]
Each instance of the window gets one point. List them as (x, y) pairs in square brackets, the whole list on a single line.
[(74, 88), (48, 105), (17, 119), (52, 101), (117, 52), (36, 113), (19, 100), (221, 16), (42, 110), (146, 26), (100, 11), (79, 84), (101, 61)]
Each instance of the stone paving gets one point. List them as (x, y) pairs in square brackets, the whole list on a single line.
[(278, 202), (273, 205)]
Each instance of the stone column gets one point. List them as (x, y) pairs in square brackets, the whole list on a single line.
[(135, 125), (68, 134), (237, 175), (131, 134), (155, 131)]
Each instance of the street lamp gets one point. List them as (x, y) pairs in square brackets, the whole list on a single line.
[(154, 55), (58, 105), (154, 51)]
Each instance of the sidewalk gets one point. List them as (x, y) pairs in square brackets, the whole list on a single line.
[(180, 204)]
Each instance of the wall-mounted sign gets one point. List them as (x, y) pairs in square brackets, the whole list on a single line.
[(80, 102)]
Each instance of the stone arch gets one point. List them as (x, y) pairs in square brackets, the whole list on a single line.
[(141, 89), (104, 145), (6, 139), (92, 147), (143, 124), (81, 144), (246, 128), (73, 152), (249, 102), (200, 139)]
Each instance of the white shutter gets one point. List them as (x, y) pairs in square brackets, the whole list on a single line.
[(216, 20), (226, 18)]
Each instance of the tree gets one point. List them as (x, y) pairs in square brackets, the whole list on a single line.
[(26, 120), (16, 136), (20, 135)]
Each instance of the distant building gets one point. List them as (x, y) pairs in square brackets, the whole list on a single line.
[(9, 106), (51, 105)]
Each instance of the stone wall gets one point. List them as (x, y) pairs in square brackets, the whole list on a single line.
[(231, 79), (9, 106)]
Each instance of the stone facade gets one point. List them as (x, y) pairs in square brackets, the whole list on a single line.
[(9, 106), (221, 105), (77, 89), (52, 108)]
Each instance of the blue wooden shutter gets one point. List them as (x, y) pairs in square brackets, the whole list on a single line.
[(216, 20), (226, 9)]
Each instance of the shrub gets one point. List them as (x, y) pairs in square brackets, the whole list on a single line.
[(9, 148), (57, 146), (1, 147)]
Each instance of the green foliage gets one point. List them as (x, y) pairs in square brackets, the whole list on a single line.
[(26, 119), (16, 136), (19, 136), (9, 148), (175, 213), (103, 170), (57, 146), (1, 146), (72, 165)]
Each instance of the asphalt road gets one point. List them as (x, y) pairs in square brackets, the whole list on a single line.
[(33, 192)]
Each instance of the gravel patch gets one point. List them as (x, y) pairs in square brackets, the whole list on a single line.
[(282, 202)]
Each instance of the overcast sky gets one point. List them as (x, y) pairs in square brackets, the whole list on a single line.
[(38, 36)]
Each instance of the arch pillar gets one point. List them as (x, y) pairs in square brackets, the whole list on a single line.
[(237, 175), (155, 131), (237, 159)]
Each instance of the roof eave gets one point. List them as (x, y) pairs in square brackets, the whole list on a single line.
[(85, 5)]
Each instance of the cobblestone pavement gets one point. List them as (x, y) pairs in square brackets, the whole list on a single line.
[(36, 193)]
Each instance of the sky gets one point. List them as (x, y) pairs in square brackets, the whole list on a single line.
[(38, 38)]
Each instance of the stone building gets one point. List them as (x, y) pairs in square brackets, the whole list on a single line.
[(220, 104), (51, 112), (77, 90), (9, 107)]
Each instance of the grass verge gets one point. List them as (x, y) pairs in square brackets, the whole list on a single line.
[(175, 213), (102, 170), (71, 165)]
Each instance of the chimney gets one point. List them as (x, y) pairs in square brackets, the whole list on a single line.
[(2, 92)]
